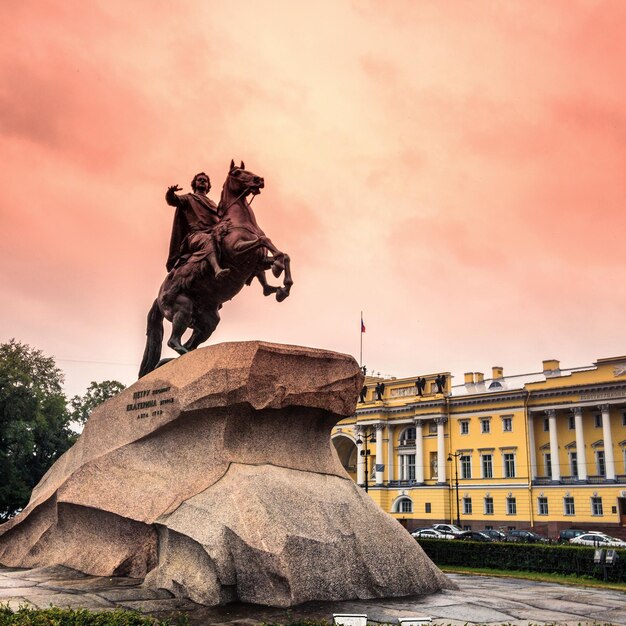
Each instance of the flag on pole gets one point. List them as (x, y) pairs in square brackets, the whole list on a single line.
[(362, 324)]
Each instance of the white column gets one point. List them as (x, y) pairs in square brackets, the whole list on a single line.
[(609, 461), (360, 459), (554, 445), (581, 457), (380, 465), (390, 459), (531, 444), (441, 449), (419, 451)]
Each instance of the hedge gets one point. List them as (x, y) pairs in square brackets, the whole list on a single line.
[(26, 616), (530, 557)]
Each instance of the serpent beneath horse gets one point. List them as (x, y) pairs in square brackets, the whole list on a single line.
[(191, 298)]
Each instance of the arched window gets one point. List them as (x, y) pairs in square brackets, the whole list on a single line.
[(407, 436), (404, 505)]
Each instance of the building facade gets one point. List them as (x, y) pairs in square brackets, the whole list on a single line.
[(545, 450)]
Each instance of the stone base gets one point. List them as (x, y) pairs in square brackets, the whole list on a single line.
[(214, 477)]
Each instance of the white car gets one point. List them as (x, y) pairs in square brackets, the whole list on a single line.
[(448, 529), (430, 533), (598, 540)]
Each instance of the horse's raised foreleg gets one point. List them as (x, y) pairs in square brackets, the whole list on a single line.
[(283, 291), (181, 320), (268, 289)]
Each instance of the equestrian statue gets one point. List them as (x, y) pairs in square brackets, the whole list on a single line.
[(214, 251)]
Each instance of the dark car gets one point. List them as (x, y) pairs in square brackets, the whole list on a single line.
[(473, 535), (525, 536), (569, 533), (495, 535)]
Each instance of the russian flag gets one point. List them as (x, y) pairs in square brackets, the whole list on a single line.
[(362, 325)]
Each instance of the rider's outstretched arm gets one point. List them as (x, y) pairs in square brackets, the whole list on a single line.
[(170, 196)]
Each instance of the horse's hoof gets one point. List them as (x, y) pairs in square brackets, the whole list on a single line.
[(268, 290), (281, 294), (222, 274), (277, 269)]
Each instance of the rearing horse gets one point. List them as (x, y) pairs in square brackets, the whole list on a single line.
[(192, 299)]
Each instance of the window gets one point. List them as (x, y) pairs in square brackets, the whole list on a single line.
[(487, 465), (624, 419), (485, 426), (542, 505), (488, 505), (427, 507), (404, 506), (546, 424), (407, 437), (600, 465), (432, 427), (571, 422), (598, 420), (573, 464), (464, 427), (547, 465), (511, 506), (596, 506), (407, 466), (568, 506), (467, 506), (507, 424), (466, 466), (509, 465)]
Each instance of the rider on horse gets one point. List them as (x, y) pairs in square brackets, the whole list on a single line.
[(193, 241)]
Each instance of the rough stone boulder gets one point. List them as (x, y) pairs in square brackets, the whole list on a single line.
[(214, 477)]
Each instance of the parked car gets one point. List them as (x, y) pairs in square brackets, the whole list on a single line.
[(429, 533), (473, 535), (495, 535), (598, 540), (525, 536), (448, 529), (569, 533)]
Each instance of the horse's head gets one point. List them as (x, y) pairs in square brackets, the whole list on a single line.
[(243, 182)]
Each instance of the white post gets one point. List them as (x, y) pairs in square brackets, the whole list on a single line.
[(360, 459), (380, 466), (554, 446), (609, 460), (419, 451), (581, 457), (441, 449), (390, 459)]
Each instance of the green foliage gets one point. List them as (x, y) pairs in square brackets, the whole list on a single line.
[(53, 616), (97, 393), (557, 559), (34, 422)]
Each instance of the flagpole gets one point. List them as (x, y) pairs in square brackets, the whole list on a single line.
[(361, 337)]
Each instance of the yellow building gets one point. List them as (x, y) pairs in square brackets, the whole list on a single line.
[(545, 450)]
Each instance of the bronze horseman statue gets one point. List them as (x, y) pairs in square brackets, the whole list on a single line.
[(214, 252)]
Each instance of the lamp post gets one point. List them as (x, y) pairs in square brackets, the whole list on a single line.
[(370, 437), (456, 456)]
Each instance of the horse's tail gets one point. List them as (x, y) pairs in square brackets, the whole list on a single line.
[(154, 333)]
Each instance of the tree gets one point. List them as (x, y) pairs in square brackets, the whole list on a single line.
[(34, 422), (97, 393)]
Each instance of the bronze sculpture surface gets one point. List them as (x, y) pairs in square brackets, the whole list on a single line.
[(214, 252)]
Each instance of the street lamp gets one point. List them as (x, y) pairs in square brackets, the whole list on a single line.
[(456, 456), (370, 437)]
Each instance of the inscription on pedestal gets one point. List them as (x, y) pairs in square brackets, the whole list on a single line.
[(148, 402)]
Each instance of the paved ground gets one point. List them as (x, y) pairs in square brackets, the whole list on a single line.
[(479, 599)]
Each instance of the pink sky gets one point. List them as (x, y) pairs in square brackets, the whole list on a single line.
[(456, 170)]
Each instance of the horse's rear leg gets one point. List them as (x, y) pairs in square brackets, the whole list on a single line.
[(181, 320), (268, 289), (204, 329)]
